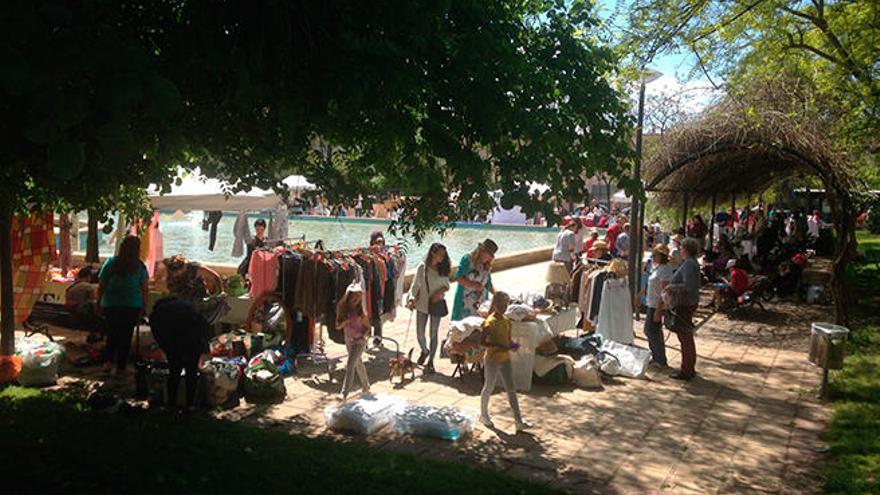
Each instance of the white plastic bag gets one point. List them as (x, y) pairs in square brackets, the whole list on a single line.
[(586, 373), (364, 416), (446, 423), (633, 361), (39, 365)]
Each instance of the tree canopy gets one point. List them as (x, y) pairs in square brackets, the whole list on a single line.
[(436, 99), (831, 47)]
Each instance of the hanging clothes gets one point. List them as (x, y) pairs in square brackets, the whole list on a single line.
[(213, 218), (263, 272), (149, 241), (596, 287), (33, 248), (615, 312), (157, 247), (242, 234)]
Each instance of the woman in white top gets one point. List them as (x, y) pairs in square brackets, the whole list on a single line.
[(429, 286)]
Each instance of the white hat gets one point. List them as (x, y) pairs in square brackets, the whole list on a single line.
[(731, 263), (354, 287)]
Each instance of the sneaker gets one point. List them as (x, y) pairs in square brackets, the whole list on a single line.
[(487, 422), (422, 357), (522, 425)]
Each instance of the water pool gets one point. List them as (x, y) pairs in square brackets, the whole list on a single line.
[(184, 235)]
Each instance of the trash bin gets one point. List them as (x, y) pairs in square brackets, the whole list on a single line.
[(827, 345)]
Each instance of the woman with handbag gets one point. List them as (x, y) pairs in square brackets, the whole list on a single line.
[(427, 297), (683, 292)]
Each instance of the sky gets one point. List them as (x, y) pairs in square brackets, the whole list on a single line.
[(675, 67)]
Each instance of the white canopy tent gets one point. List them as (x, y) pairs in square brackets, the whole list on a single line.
[(197, 192)]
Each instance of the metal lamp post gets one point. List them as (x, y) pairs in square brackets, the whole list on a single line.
[(635, 222)]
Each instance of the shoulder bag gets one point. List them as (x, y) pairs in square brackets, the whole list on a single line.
[(438, 308)]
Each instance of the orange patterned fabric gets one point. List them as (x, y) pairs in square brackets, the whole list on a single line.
[(33, 248)]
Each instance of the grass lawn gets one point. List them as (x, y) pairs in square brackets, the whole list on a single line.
[(855, 426), (55, 444)]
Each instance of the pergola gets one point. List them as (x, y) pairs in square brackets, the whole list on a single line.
[(736, 151)]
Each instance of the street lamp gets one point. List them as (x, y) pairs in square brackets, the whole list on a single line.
[(635, 222)]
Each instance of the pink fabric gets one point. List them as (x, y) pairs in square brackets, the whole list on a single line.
[(263, 272), (154, 254)]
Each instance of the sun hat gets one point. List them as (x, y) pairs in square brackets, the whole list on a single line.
[(600, 245)]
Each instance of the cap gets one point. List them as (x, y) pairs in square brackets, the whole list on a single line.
[(731, 263)]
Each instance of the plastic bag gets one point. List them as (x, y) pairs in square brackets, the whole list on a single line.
[(221, 379), (608, 363), (39, 365), (586, 373), (447, 423), (633, 361), (364, 416), (263, 381)]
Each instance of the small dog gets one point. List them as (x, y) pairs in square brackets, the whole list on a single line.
[(400, 365)]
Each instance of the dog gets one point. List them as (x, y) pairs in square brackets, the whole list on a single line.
[(400, 365)]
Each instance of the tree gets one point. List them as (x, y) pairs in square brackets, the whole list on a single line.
[(833, 43), (437, 99)]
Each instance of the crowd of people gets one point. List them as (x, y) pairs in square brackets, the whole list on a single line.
[(721, 253)]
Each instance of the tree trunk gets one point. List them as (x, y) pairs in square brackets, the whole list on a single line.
[(92, 238), (7, 312)]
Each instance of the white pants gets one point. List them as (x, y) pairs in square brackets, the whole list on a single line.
[(494, 369), (354, 366), (421, 323)]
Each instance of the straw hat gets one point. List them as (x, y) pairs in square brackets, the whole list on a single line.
[(600, 245), (661, 249), (557, 273)]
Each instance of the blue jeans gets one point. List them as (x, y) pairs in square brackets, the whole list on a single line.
[(654, 332)]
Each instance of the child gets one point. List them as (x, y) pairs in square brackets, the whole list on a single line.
[(496, 340), (351, 317)]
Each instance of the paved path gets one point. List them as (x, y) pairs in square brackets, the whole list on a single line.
[(749, 423)]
